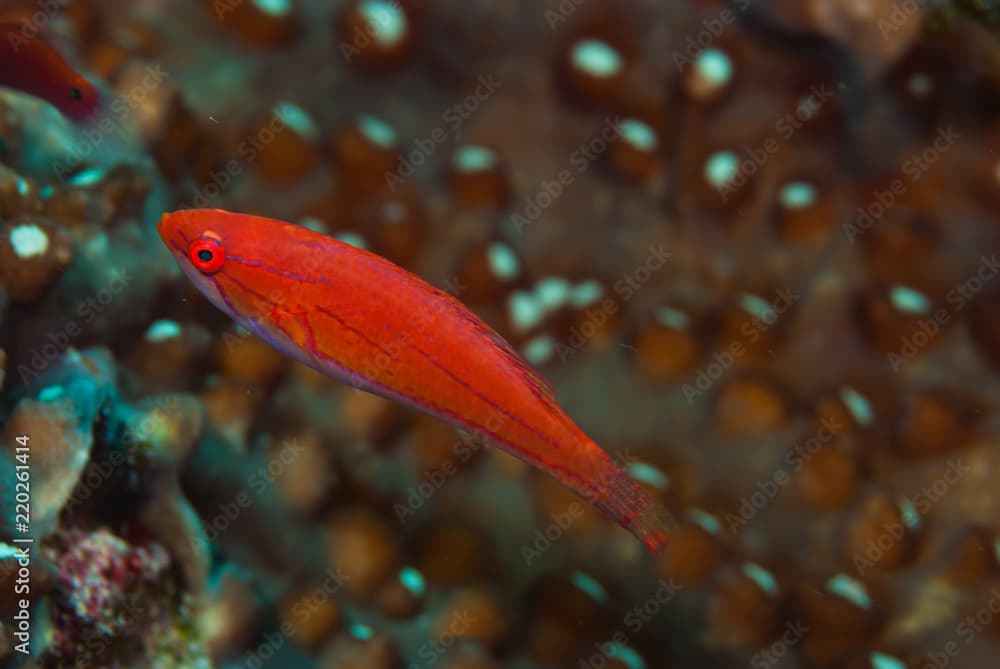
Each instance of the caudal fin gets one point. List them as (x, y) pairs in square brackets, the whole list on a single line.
[(625, 501), (653, 526)]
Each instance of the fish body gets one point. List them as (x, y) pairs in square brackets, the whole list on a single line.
[(359, 318), (30, 63)]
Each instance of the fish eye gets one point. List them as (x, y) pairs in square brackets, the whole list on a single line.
[(75, 93), (207, 255)]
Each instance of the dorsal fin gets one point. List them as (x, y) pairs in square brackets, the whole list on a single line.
[(541, 388)]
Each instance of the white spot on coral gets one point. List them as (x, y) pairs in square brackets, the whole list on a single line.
[(29, 240), (797, 195), (552, 292), (883, 661), (705, 520), (8, 551), (378, 131), (586, 583), (539, 349), (162, 330), (297, 119), (909, 300), (49, 393), (758, 307), (387, 21), (97, 247), (919, 84), (857, 404), (761, 577), (313, 223), (850, 589), (672, 318), (647, 473), (352, 238), (721, 168), (88, 177), (715, 66), (274, 7), (596, 57), (525, 311), (625, 654), (586, 293), (502, 261), (911, 517), (638, 134), (473, 158), (413, 581), (361, 631)]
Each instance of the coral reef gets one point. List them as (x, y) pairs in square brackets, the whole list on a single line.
[(753, 245)]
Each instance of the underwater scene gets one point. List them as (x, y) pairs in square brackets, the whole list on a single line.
[(511, 334)]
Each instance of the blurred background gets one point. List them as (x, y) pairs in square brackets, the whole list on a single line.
[(752, 244)]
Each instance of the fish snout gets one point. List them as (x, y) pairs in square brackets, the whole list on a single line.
[(161, 226), (166, 227)]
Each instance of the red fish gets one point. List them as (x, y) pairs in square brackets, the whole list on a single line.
[(30, 63), (357, 317)]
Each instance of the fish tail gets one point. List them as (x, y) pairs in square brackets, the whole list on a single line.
[(652, 526), (625, 501)]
